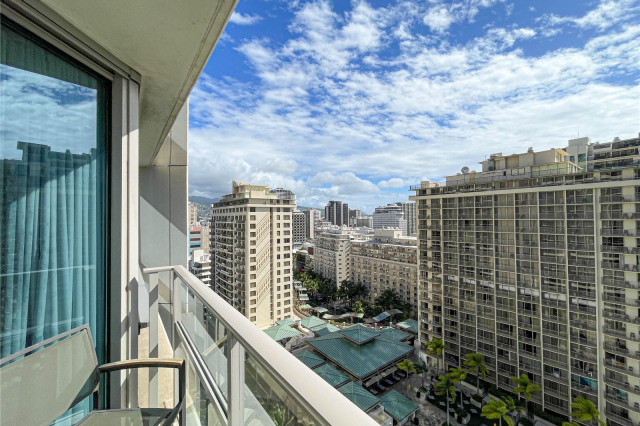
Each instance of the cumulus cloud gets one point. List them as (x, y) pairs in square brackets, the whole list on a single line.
[(240, 19), (438, 19), (393, 183), (607, 14), (363, 96)]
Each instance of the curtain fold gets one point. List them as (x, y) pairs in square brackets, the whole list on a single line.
[(49, 271)]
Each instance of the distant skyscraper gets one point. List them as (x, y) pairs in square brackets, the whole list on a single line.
[(251, 238), (312, 217), (409, 210), (390, 216), (193, 213), (337, 213), (299, 227)]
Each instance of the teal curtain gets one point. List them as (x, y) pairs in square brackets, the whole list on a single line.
[(49, 263)]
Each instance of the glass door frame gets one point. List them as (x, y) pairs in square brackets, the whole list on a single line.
[(122, 265)]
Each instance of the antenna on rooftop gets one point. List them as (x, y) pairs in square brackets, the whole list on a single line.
[(465, 170)]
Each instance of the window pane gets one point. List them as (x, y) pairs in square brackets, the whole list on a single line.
[(52, 193)]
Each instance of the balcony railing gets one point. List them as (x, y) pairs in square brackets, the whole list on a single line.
[(237, 374)]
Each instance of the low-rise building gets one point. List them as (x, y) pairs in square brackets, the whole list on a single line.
[(331, 259), (200, 266)]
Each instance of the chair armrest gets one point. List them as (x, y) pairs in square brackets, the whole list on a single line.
[(179, 364), (142, 363)]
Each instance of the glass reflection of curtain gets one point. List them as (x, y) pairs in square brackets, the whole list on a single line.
[(53, 133), (49, 226)]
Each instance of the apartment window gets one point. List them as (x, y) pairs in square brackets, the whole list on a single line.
[(54, 116)]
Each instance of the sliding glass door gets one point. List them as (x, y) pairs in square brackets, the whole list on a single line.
[(53, 193)]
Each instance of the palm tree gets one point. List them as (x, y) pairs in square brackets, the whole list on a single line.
[(406, 366), (458, 375), (421, 368), (446, 386), (436, 348), (584, 410), (475, 365), (514, 409), (496, 409), (280, 417), (359, 307), (526, 387)]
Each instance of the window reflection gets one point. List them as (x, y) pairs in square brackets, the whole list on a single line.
[(52, 194)]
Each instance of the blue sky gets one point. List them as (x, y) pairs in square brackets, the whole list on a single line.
[(357, 100)]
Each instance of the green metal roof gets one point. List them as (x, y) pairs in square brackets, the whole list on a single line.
[(312, 321), (304, 307), (409, 325), (286, 321), (392, 333), (331, 375), (323, 329), (397, 405), (359, 333), (360, 360), (310, 359), (279, 332), (358, 395)]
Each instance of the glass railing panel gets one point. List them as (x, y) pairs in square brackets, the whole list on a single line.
[(208, 335), (200, 407), (274, 401)]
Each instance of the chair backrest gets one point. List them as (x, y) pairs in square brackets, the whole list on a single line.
[(41, 382)]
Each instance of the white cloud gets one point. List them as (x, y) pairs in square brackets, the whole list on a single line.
[(394, 183), (240, 19), (608, 13), (438, 19)]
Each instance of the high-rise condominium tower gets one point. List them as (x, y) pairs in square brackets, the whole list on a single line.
[(251, 237), (312, 217), (337, 213), (409, 210), (533, 262), (299, 227)]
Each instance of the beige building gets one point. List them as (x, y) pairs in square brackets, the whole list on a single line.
[(331, 255), (251, 239), (193, 213), (388, 261), (533, 262)]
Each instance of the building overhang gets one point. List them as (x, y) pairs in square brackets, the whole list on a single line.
[(166, 45)]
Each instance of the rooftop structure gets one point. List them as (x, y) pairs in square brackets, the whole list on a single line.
[(398, 406), (334, 377), (363, 360), (364, 399)]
